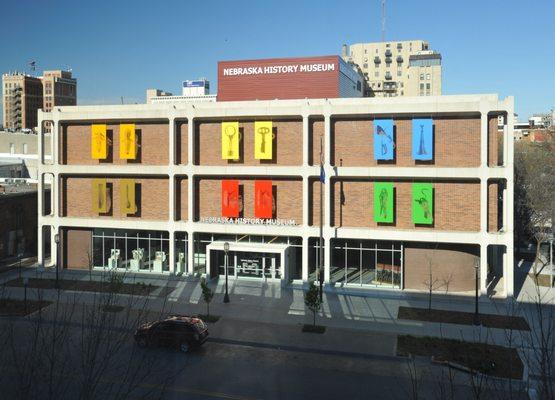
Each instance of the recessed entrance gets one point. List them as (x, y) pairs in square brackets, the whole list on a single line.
[(247, 260)]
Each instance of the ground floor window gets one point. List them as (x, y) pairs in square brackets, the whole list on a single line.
[(135, 251), (366, 263)]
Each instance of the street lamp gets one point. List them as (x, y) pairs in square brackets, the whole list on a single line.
[(226, 249), (476, 312), (57, 240)]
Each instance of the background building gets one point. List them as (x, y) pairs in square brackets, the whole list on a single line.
[(397, 68), (24, 95), (22, 98)]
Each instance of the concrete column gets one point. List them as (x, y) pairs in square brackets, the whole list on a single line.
[(171, 256), (40, 245), (190, 253), (483, 269), (171, 155), (484, 205), (327, 260), (305, 259), (508, 271), (53, 247), (55, 142)]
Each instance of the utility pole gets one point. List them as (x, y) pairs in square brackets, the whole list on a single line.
[(321, 243)]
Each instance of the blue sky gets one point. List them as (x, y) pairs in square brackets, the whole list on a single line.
[(121, 47)]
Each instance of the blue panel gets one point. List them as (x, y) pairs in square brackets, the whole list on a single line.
[(193, 83), (384, 142), (423, 139)]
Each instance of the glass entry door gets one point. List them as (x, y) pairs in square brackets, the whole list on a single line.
[(246, 264)]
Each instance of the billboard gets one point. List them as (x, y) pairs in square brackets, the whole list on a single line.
[(99, 142), (128, 204), (423, 203), (383, 202), (230, 198), (127, 148), (384, 141), (230, 140), (422, 139), (263, 199), (99, 196), (263, 140)]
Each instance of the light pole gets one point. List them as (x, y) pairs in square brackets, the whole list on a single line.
[(57, 240), (226, 249), (476, 312)]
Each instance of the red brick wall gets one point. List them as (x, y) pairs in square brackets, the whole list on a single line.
[(316, 127), (452, 267), (75, 145), (495, 143), (287, 144), (76, 248), (456, 143), (493, 206), (152, 198), (181, 142), (182, 199), (456, 206), (288, 201), (314, 202)]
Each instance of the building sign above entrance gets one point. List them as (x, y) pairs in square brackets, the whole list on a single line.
[(279, 69), (248, 221)]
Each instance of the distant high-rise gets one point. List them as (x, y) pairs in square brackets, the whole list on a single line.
[(24, 95), (397, 68)]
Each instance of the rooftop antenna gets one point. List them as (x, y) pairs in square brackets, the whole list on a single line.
[(383, 20)]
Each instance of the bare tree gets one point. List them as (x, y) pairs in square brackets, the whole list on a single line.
[(535, 203), (431, 283)]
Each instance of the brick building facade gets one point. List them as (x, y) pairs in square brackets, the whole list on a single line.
[(170, 218)]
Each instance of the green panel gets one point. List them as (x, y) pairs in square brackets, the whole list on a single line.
[(383, 202), (423, 203)]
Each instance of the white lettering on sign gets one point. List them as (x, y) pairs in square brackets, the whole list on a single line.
[(248, 221), (279, 69)]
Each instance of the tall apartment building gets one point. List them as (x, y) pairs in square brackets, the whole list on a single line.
[(390, 69), (24, 95), (22, 98), (234, 185)]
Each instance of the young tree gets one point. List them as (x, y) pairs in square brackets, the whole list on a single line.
[(312, 300), (207, 295)]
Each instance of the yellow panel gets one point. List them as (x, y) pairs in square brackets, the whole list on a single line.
[(127, 148), (99, 148), (230, 140), (127, 196), (99, 197), (263, 140)]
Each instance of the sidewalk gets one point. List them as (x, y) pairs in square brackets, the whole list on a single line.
[(372, 314)]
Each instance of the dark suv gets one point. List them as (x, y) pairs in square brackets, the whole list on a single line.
[(176, 331)]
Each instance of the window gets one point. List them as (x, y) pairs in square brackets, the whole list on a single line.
[(402, 92), (376, 74), (421, 86), (24, 148), (365, 66), (399, 72), (427, 77), (428, 86), (387, 45), (421, 77), (12, 148)]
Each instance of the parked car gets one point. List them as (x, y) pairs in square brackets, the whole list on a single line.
[(178, 331)]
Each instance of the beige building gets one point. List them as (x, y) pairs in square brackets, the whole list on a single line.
[(406, 68), (24, 95)]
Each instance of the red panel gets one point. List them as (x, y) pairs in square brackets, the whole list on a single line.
[(263, 201), (230, 198), (279, 78)]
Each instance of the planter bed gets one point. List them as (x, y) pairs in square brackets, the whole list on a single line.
[(86, 286)]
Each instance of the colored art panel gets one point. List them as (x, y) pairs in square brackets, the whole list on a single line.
[(99, 196), (383, 202), (230, 140), (127, 148), (128, 203), (384, 141), (230, 198), (422, 139), (263, 199), (263, 140), (99, 145), (423, 203)]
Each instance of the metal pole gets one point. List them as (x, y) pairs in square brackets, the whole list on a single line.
[(57, 240), (226, 248), (321, 249), (476, 311), (551, 260)]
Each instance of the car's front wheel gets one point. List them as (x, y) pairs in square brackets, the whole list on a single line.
[(142, 342), (184, 347)]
